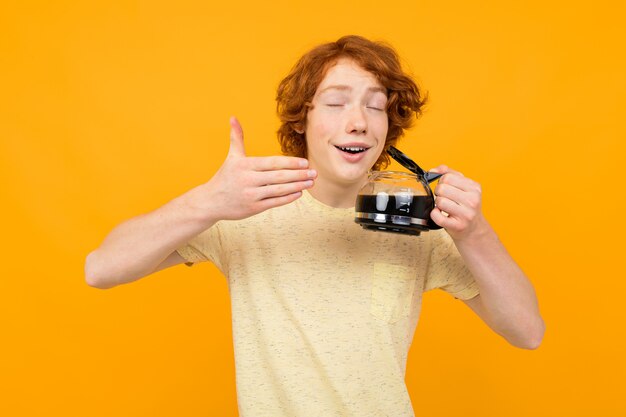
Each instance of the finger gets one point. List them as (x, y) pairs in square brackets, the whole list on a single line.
[(462, 183), (279, 190), (450, 192), (468, 196), (283, 176), (236, 138), (452, 208), (439, 218), (471, 199), (272, 163), (444, 169), (269, 203), (441, 169), (443, 220)]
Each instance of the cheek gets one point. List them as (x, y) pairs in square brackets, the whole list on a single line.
[(318, 129), (383, 128)]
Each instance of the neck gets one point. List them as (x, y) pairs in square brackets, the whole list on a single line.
[(336, 195)]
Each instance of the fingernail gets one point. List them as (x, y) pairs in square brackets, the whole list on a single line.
[(311, 173), (304, 163), (308, 183)]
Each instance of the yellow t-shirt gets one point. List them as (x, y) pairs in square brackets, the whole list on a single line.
[(323, 311)]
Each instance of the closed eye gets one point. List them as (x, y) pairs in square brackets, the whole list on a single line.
[(375, 108)]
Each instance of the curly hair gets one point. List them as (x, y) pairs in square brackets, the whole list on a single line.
[(295, 92)]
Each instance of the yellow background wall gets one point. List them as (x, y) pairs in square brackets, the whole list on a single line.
[(109, 109)]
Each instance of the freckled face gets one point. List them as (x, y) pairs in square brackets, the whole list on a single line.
[(347, 126)]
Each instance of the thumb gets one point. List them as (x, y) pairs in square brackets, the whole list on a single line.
[(236, 138), (441, 169)]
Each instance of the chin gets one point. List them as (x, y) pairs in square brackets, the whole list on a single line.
[(353, 175)]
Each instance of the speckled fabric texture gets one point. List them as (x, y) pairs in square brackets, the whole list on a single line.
[(323, 311)]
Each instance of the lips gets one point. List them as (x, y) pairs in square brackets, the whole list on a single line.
[(352, 152), (352, 148)]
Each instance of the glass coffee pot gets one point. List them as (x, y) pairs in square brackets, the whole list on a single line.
[(398, 202)]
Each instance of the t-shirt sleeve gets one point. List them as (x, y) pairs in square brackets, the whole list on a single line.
[(207, 246), (447, 270)]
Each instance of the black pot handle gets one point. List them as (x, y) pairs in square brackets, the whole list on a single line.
[(422, 175)]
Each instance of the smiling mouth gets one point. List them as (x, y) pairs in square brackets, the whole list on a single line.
[(351, 149)]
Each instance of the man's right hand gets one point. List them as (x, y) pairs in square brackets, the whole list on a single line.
[(242, 187), (245, 186)]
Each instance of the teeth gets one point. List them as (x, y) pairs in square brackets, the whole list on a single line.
[(352, 149)]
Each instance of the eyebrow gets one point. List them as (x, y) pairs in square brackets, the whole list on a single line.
[(348, 88)]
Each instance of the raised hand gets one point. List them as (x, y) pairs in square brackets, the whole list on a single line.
[(244, 186), (458, 202)]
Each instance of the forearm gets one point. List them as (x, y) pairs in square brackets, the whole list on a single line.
[(508, 302), (136, 247)]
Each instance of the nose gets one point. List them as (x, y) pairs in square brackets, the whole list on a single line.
[(357, 122)]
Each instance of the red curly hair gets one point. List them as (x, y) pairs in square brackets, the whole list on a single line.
[(295, 92)]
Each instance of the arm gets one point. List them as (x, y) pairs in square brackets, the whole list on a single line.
[(507, 302), (242, 187)]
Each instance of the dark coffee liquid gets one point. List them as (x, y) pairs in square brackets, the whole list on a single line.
[(418, 206)]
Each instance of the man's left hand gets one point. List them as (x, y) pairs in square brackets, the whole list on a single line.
[(458, 202)]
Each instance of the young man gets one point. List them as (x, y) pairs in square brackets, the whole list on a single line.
[(323, 311)]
